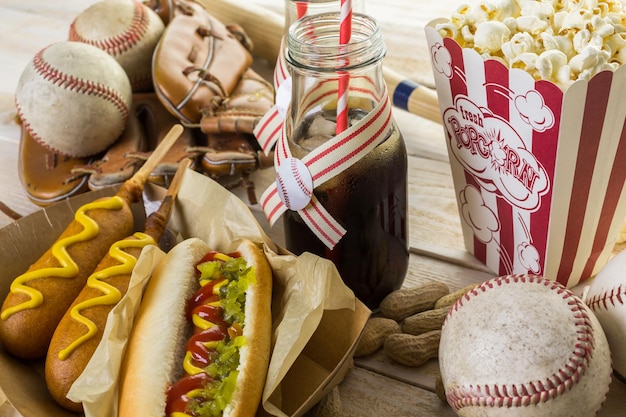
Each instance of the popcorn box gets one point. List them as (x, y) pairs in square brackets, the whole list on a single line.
[(539, 172)]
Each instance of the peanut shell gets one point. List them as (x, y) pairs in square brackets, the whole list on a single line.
[(374, 333), (411, 350), (407, 301)]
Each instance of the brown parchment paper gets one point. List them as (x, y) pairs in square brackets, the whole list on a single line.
[(316, 318)]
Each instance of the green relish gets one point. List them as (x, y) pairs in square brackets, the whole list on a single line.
[(223, 367)]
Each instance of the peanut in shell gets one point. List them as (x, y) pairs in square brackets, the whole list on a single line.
[(411, 350), (425, 321), (407, 301), (374, 334), (449, 299)]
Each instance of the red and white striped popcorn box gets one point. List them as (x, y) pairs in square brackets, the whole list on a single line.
[(539, 173)]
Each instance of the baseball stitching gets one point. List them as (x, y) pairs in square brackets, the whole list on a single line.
[(283, 190), (604, 299), (532, 392), (121, 43), (69, 82), (298, 178)]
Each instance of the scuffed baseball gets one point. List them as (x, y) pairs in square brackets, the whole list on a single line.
[(125, 29), (74, 99), (294, 183), (606, 296), (524, 346)]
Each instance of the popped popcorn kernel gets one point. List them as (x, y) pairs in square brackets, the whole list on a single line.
[(555, 40), (490, 36), (549, 62), (532, 24), (519, 43)]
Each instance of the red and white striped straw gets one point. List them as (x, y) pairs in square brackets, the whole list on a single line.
[(301, 8), (345, 32)]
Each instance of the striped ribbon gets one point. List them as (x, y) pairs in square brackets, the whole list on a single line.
[(267, 131), (333, 157)]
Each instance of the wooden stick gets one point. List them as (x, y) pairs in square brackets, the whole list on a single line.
[(9, 211), (140, 177), (172, 190), (159, 152), (157, 220), (266, 29), (133, 186)]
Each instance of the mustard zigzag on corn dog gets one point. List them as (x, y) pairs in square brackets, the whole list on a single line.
[(39, 297), (111, 295), (68, 268), (27, 332)]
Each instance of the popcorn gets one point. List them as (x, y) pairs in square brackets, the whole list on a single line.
[(562, 43), (517, 45), (490, 36), (525, 61), (549, 63), (555, 40), (531, 24)]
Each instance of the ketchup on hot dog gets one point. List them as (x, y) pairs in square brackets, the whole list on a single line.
[(212, 353)]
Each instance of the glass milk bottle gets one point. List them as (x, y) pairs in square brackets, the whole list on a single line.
[(365, 194), (297, 9)]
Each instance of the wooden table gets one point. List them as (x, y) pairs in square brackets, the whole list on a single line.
[(376, 386)]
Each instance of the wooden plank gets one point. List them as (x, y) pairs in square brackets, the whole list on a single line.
[(364, 393)]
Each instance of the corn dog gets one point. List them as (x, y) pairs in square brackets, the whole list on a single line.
[(79, 332), (39, 297)]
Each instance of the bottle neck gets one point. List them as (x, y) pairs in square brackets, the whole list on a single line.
[(314, 46), (318, 65)]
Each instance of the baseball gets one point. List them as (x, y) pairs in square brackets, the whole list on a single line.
[(294, 183), (74, 99), (523, 346), (606, 296), (125, 29)]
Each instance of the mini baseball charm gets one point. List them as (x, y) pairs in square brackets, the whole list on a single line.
[(294, 183), (523, 346), (125, 29), (606, 296), (74, 99)]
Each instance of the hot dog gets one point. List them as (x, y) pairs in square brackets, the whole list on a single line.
[(221, 370), (80, 330), (38, 298)]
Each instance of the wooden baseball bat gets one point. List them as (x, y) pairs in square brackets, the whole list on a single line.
[(266, 29)]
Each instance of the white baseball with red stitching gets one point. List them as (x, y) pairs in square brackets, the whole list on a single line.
[(606, 296), (294, 183), (125, 29), (73, 98), (524, 346)]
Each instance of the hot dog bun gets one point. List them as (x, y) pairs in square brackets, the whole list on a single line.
[(156, 348)]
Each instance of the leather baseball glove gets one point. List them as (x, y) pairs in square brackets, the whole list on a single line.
[(242, 109), (202, 75), (148, 125), (197, 61), (230, 158)]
